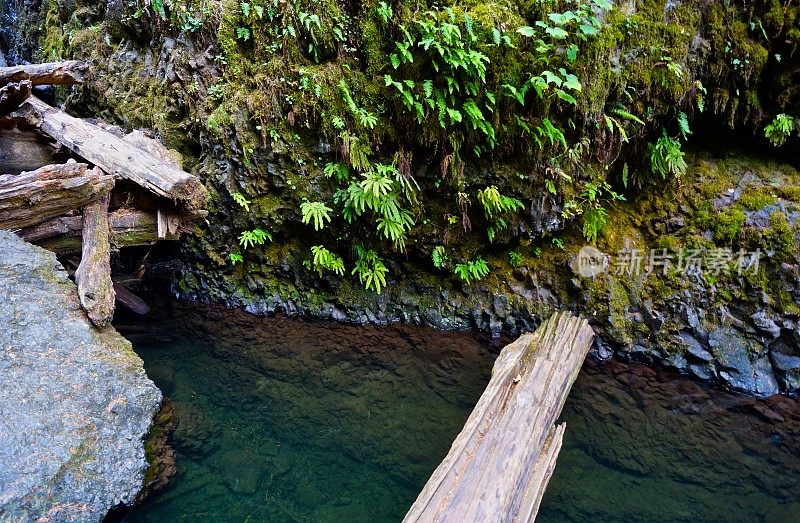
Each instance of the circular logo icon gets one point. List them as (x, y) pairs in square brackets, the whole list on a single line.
[(591, 261)]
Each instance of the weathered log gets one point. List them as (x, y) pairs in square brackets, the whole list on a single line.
[(129, 300), (53, 73), (30, 198), (116, 156), (499, 465), (13, 94), (93, 275), (24, 151), (129, 228)]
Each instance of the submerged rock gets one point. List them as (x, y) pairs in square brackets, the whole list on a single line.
[(75, 400)]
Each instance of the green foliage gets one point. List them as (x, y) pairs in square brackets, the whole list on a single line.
[(383, 190), (455, 93), (370, 269), (365, 118), (254, 237), (235, 257), (515, 258), (472, 270), (683, 125), (667, 157), (242, 201), (316, 211), (323, 259), (728, 225), (385, 12), (439, 256), (494, 203), (589, 204), (780, 129)]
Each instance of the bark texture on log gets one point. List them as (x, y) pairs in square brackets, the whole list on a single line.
[(53, 73), (499, 465), (13, 94), (116, 156), (129, 228), (93, 275), (31, 198)]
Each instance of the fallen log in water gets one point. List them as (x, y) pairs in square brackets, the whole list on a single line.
[(53, 73), (30, 198), (129, 228), (117, 156), (499, 465), (93, 275)]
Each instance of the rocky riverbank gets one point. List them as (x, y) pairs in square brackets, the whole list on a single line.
[(75, 400)]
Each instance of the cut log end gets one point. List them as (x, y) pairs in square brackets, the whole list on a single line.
[(13, 94)]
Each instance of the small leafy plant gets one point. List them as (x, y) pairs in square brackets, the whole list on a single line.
[(779, 130), (667, 157), (472, 270), (323, 259), (254, 237), (317, 212), (370, 269), (439, 256)]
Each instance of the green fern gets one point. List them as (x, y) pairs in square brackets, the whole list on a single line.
[(323, 259), (254, 237), (370, 270), (472, 270), (316, 211), (779, 130), (667, 157)]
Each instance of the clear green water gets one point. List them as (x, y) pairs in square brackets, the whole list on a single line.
[(285, 420)]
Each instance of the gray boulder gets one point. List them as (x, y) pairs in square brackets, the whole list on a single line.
[(75, 402), (742, 363)]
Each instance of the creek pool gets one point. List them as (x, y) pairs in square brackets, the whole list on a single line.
[(281, 419)]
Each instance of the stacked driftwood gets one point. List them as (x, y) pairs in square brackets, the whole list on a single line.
[(76, 187)]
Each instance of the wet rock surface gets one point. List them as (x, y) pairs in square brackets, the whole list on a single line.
[(74, 401)]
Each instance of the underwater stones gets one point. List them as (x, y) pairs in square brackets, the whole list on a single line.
[(239, 470), (75, 400)]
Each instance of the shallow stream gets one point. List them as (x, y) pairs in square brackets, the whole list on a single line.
[(287, 420)]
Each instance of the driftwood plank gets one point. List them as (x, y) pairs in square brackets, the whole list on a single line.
[(53, 73), (129, 228), (499, 465), (30, 198), (93, 275), (119, 157)]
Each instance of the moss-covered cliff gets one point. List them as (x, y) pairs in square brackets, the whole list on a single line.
[(498, 132)]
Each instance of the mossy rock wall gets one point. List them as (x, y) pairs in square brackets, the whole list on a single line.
[(255, 117)]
